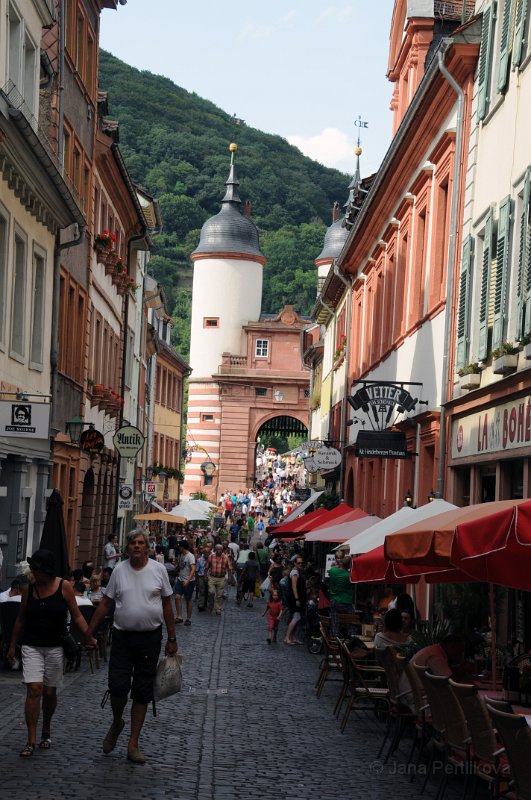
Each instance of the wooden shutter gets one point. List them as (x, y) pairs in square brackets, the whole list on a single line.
[(519, 30), (505, 45), (485, 60), (485, 282), (502, 267), (522, 308), (463, 316)]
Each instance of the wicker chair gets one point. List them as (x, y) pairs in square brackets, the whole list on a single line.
[(438, 723), (487, 760), (331, 662), (359, 688), (400, 712), (515, 734)]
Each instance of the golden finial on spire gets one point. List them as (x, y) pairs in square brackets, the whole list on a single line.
[(358, 151), (233, 147)]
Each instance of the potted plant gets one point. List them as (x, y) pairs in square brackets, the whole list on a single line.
[(525, 344), (470, 376), (504, 358), (104, 242), (97, 389), (111, 258), (339, 355)]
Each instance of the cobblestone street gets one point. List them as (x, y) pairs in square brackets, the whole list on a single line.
[(246, 724)]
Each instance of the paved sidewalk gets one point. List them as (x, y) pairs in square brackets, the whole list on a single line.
[(246, 725)]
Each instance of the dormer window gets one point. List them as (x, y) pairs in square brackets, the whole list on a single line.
[(262, 348)]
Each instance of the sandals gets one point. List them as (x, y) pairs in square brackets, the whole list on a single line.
[(136, 756), (178, 620), (45, 743), (27, 751), (109, 743)]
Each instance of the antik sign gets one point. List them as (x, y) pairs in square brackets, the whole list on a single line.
[(128, 441)]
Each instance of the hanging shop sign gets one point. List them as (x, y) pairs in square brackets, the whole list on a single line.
[(128, 440), (382, 400), (92, 441), (310, 465), (327, 458), (22, 419), (381, 444), (151, 488), (493, 430), (125, 497)]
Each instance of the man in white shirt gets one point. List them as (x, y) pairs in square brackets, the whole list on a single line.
[(185, 583), (110, 555), (141, 591)]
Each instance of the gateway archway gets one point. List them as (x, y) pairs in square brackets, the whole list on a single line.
[(283, 433)]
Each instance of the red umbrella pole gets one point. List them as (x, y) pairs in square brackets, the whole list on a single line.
[(492, 635)]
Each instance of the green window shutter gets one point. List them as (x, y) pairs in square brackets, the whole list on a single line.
[(522, 309), (502, 267), (519, 30), (505, 45), (485, 288), (463, 316), (485, 60)]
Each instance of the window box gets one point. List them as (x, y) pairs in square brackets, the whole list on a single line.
[(470, 381), (505, 364)]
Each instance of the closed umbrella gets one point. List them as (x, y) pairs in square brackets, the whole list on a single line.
[(54, 534)]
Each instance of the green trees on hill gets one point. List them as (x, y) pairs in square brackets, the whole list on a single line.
[(175, 145)]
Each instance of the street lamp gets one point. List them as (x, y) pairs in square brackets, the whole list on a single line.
[(431, 496), (408, 499), (74, 428)]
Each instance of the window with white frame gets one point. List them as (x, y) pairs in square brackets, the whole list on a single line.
[(261, 348), (37, 319), (22, 55), (4, 234), (18, 306)]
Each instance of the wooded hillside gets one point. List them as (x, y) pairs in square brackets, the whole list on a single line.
[(175, 145)]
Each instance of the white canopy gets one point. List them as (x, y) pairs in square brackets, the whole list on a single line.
[(193, 509), (375, 536), (302, 507), (343, 532)]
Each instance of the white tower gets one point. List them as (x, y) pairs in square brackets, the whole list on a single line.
[(227, 293)]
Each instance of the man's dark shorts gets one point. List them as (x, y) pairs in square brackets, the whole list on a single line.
[(133, 663), (185, 591)]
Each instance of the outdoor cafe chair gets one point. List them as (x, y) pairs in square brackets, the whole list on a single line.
[(436, 742), (515, 735), (422, 727), (400, 712), (92, 654), (488, 762), (358, 687), (331, 661), (455, 736)]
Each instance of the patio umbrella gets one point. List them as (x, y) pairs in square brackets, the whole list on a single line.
[(300, 509), (54, 535), (161, 516), (496, 547), (320, 517), (375, 536), (374, 567), (192, 510), (430, 541), (341, 532)]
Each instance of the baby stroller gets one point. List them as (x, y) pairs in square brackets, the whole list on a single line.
[(312, 631)]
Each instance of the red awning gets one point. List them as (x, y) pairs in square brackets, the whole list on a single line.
[(374, 567), (321, 516)]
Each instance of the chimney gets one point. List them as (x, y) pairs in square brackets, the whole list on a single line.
[(248, 209), (336, 211)]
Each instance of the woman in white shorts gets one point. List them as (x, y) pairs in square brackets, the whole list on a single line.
[(41, 626)]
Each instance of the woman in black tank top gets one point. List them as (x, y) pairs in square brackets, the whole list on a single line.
[(40, 627)]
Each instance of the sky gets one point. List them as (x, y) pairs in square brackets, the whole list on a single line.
[(303, 69)]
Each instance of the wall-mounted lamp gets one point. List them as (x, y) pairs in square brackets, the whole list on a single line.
[(408, 499), (74, 428), (431, 496)]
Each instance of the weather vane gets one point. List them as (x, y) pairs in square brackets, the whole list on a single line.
[(359, 123)]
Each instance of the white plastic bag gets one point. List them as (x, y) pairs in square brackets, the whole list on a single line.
[(265, 585), (169, 677)]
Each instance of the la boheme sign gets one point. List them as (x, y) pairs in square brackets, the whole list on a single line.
[(128, 440), (492, 430), (25, 420)]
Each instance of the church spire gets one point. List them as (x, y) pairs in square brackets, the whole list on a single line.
[(232, 183)]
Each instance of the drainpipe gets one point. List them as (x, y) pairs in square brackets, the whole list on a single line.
[(451, 266), (344, 404), (61, 110)]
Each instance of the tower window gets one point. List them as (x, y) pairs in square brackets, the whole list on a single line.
[(210, 322), (262, 348), (207, 417), (260, 391)]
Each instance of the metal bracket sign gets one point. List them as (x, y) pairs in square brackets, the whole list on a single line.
[(24, 419), (128, 440), (381, 444)]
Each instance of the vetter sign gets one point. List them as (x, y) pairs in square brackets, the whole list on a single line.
[(128, 441), (493, 430)]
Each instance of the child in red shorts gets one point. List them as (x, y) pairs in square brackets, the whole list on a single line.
[(274, 607)]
